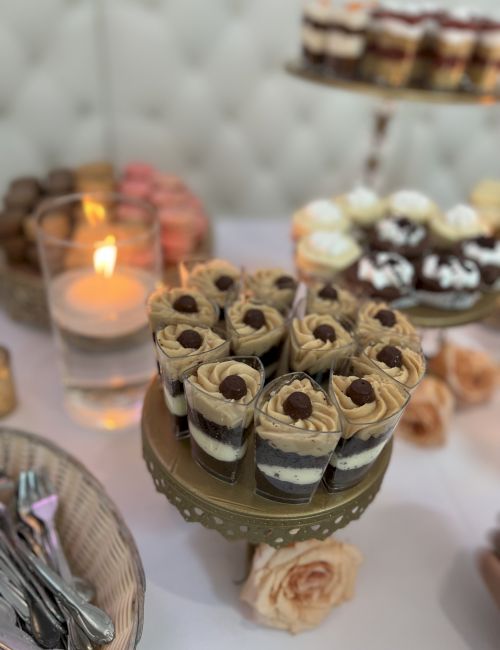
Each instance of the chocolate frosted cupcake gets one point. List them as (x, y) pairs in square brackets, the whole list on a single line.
[(179, 347), (274, 287), (371, 404), (168, 306), (400, 235), (485, 252), (256, 329), (296, 430), (382, 275), (315, 341), (221, 398), (446, 281), (215, 280), (399, 358), (377, 319), (328, 298)]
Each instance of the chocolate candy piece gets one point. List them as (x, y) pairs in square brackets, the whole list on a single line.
[(11, 221), (328, 292), (486, 242), (233, 387), (285, 282), (254, 318), (60, 181), (224, 282), (386, 317), (361, 392), (298, 406), (391, 356), (325, 333), (186, 305), (190, 339)]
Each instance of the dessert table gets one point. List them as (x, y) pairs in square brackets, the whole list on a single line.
[(418, 586)]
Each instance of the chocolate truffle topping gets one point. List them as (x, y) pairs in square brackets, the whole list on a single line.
[(486, 242), (285, 282), (224, 282), (254, 318), (233, 387), (386, 317), (361, 392), (186, 305), (325, 333), (190, 339), (391, 356), (328, 292), (298, 406)]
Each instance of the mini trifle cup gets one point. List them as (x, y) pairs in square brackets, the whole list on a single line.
[(180, 305), (346, 39), (371, 404), (333, 299), (484, 66), (221, 399), (257, 329), (216, 279), (179, 347), (378, 320), (315, 29), (296, 431), (273, 286)]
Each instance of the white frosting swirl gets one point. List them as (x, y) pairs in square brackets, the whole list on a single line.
[(362, 198), (386, 270), (454, 274), (410, 203), (483, 255), (391, 230), (462, 216)]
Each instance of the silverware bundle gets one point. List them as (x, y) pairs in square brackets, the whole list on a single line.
[(42, 605)]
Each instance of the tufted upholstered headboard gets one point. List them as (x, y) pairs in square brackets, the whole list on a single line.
[(197, 87)]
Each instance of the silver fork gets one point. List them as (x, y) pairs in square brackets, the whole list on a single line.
[(24, 501)]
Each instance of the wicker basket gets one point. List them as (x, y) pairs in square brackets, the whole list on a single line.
[(97, 542)]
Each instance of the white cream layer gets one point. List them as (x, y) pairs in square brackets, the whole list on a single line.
[(358, 460), (216, 449), (176, 405), (304, 476)]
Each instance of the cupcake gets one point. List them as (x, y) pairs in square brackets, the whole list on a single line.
[(215, 279), (382, 275), (346, 38), (371, 404), (220, 402), (256, 329), (315, 341), (179, 347), (485, 198), (401, 359), (431, 14), (412, 205), (484, 66), (327, 298), (363, 206), (485, 252), (178, 305), (377, 320), (446, 281), (274, 287), (399, 235), (320, 215), (461, 222), (296, 430), (315, 30), (325, 254)]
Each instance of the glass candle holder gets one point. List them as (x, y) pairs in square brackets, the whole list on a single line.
[(101, 259)]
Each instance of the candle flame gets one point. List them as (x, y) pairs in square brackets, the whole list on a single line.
[(105, 257), (94, 211)]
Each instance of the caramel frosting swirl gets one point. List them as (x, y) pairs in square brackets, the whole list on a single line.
[(367, 419), (274, 425), (310, 353), (263, 285), (413, 365), (247, 340), (368, 324), (204, 277), (345, 304), (162, 313)]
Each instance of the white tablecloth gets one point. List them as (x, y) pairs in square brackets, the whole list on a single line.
[(418, 587)]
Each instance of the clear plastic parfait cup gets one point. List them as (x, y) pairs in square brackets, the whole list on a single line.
[(297, 428), (371, 404), (221, 399)]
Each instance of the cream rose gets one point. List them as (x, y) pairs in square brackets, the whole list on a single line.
[(295, 588)]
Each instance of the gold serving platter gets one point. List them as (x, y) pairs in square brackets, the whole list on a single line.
[(235, 511), (430, 317), (409, 94)]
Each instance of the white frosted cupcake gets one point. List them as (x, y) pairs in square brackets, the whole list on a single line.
[(461, 222), (412, 205), (324, 254), (363, 206), (322, 214)]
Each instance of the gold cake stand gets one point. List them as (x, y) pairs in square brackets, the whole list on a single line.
[(430, 317), (234, 510)]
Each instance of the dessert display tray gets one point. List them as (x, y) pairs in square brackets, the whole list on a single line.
[(234, 510), (410, 94), (430, 317)]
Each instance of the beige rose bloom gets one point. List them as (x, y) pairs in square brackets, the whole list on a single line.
[(427, 417), (295, 588), (471, 375)]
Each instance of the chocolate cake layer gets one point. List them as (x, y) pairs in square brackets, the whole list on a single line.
[(268, 454), (181, 426), (270, 486), (225, 471), (233, 437)]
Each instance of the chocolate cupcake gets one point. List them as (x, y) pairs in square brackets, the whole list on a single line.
[(215, 279), (332, 299), (384, 276), (296, 430), (178, 348), (377, 319), (179, 305), (256, 329), (315, 341), (400, 235), (446, 281), (371, 404), (485, 252), (274, 287), (221, 397), (401, 359)]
